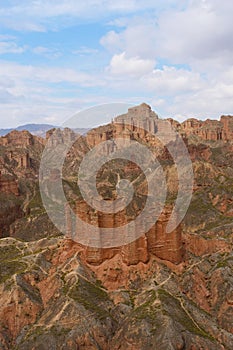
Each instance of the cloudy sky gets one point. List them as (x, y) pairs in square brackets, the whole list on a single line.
[(60, 56)]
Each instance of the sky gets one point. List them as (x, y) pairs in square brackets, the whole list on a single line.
[(58, 57)]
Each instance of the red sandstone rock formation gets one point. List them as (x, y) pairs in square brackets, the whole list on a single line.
[(23, 160), (19, 149), (227, 122), (139, 122), (166, 246), (213, 130), (139, 119), (17, 139), (8, 185), (55, 137), (200, 246), (135, 252)]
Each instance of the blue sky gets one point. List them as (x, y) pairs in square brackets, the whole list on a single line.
[(60, 56)]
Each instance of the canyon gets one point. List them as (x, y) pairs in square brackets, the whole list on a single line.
[(142, 123), (161, 291)]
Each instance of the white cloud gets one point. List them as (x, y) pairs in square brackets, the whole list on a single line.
[(26, 95), (29, 73), (200, 35), (84, 51), (47, 52), (196, 41), (10, 47), (172, 81), (121, 65), (6, 97), (207, 103), (113, 41), (136, 40), (39, 15), (203, 31), (7, 37)]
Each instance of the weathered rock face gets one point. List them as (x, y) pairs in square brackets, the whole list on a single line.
[(212, 130), (10, 211), (55, 137), (200, 246), (22, 159), (138, 122), (8, 185), (19, 164), (227, 122), (9, 200), (17, 139), (166, 246), (156, 241), (98, 135), (21, 151)]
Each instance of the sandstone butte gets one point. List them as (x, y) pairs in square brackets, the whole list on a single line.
[(160, 291)]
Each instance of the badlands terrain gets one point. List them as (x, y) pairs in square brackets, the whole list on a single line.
[(160, 292)]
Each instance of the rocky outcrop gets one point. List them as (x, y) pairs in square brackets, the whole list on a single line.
[(139, 120), (21, 151), (200, 246), (23, 160), (98, 135), (166, 246), (137, 123), (10, 211), (135, 252), (8, 185), (209, 130), (55, 137), (157, 242), (227, 123), (17, 139), (19, 166)]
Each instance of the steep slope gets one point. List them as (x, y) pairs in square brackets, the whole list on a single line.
[(50, 297)]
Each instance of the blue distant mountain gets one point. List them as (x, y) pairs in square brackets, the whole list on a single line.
[(35, 129), (38, 129)]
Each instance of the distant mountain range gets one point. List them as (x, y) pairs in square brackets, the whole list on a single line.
[(35, 129)]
